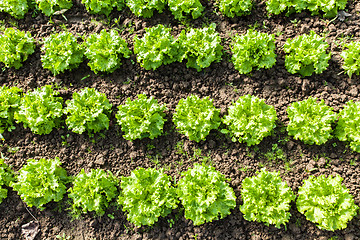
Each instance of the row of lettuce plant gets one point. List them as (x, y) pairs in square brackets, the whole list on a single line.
[(305, 54), (181, 9), (247, 120), (202, 191)]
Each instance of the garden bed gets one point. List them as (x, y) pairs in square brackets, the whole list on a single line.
[(173, 151)]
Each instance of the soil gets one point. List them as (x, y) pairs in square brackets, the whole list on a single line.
[(169, 84)]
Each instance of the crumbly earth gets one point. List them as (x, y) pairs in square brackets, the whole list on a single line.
[(173, 151)]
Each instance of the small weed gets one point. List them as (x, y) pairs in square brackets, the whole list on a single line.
[(353, 162), (167, 167), (295, 22), (288, 166), (180, 148), (196, 154), (85, 77), (275, 154), (63, 237), (245, 169), (13, 150), (232, 85), (155, 159), (279, 33), (334, 144), (171, 222), (128, 81), (150, 146), (340, 41), (261, 165), (64, 138), (327, 163), (255, 26)]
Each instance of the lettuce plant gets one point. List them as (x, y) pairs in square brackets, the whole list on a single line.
[(6, 177), (40, 110), (92, 191), (182, 8), (145, 8), (278, 6), (232, 8), (103, 6), (15, 47), (310, 121), (351, 57), (266, 198), (141, 118), (16, 8), (326, 202), (306, 54), (10, 101), (205, 195), (40, 182), (329, 8), (249, 120), (105, 51), (146, 195), (347, 126), (61, 52), (157, 47), (49, 7), (253, 50), (88, 111), (200, 47), (196, 117)]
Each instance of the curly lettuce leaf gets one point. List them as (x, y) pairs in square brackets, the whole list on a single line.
[(145, 8), (40, 110), (351, 56), (253, 50), (200, 47), (40, 182), (92, 191), (6, 177), (105, 51), (249, 120), (205, 195), (10, 99), (348, 124), (15, 47), (103, 6), (232, 8), (196, 117), (146, 195), (88, 111), (141, 118), (61, 52), (326, 202), (266, 198), (182, 8), (49, 7), (16, 8), (310, 121), (306, 54), (157, 47)]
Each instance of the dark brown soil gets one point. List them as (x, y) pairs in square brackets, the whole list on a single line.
[(169, 84)]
